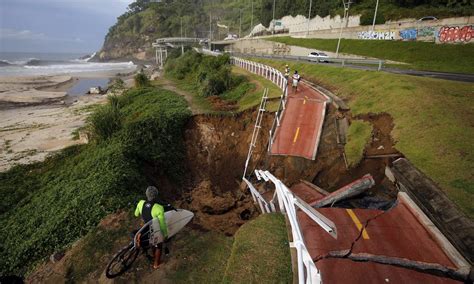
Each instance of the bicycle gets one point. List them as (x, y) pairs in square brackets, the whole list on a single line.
[(124, 259), (149, 235)]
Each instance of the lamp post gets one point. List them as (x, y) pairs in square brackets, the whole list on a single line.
[(210, 31), (375, 15), (273, 17), (182, 46), (251, 19), (309, 17), (346, 11), (240, 22)]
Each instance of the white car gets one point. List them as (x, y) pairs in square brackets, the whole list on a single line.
[(318, 57)]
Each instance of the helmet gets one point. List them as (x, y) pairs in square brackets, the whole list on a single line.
[(286, 65), (151, 193)]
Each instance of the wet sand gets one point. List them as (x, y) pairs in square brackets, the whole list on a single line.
[(35, 119)]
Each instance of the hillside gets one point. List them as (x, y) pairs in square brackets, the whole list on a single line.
[(144, 21)]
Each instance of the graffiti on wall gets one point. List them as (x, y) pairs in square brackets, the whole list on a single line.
[(426, 31), (376, 35), (456, 34), (408, 34)]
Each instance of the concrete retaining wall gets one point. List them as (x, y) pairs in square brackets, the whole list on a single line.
[(450, 30), (299, 24), (262, 46)]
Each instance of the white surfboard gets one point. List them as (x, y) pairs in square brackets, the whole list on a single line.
[(175, 220)]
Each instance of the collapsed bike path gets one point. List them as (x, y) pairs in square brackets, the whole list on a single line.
[(301, 125)]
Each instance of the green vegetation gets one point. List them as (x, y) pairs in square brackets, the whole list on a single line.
[(403, 9), (46, 206), (116, 85), (196, 256), (103, 240), (432, 119), (147, 20), (357, 137), (106, 120), (141, 80), (417, 55), (260, 253), (253, 98), (211, 75), (204, 257), (208, 76), (243, 92)]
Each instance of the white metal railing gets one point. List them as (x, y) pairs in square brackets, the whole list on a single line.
[(265, 207), (256, 129), (267, 72), (288, 203), (277, 78)]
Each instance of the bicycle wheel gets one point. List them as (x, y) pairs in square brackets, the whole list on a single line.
[(122, 261)]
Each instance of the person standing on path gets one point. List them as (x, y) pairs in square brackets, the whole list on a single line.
[(296, 78), (150, 209), (287, 73)]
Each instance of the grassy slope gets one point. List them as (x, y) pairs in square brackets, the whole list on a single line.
[(247, 95), (260, 253), (252, 99), (189, 86), (205, 256), (433, 119), (357, 137), (419, 55), (51, 204), (196, 256)]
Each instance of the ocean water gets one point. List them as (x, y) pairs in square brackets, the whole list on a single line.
[(84, 84), (32, 64)]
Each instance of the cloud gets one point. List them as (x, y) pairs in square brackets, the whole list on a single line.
[(12, 34), (20, 34)]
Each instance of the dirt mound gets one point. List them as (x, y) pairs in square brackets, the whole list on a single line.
[(224, 213)]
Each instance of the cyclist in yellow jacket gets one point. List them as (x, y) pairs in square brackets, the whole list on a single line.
[(151, 209)]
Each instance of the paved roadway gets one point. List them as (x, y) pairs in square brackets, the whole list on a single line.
[(432, 74), (300, 127), (396, 233)]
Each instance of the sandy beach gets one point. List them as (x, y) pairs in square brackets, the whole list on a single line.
[(37, 118)]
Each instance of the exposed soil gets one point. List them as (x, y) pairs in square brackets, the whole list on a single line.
[(382, 142), (216, 151), (221, 105)]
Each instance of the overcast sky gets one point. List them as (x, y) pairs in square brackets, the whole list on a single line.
[(77, 26)]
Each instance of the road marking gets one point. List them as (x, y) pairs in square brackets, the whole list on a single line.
[(296, 135), (304, 102), (358, 224)]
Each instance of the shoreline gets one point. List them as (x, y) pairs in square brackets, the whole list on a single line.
[(36, 118)]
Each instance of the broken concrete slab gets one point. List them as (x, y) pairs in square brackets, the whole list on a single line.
[(395, 233), (342, 126), (448, 218), (354, 188)]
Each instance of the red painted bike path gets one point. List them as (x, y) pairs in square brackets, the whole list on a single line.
[(301, 124), (394, 233)]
